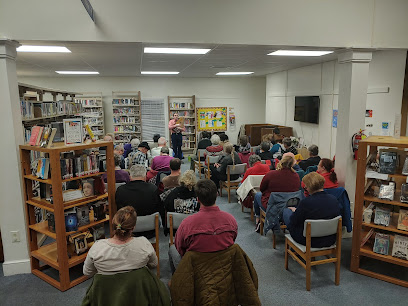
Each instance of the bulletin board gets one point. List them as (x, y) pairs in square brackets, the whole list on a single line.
[(211, 118)]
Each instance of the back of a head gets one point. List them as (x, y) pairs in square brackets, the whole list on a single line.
[(135, 142), (206, 134), (313, 182), (253, 159), (162, 141), (137, 171), (175, 164), (188, 179), (206, 192), (165, 150), (109, 137), (243, 140), (224, 137), (287, 141), (228, 147), (286, 162), (313, 150), (276, 131), (117, 158), (124, 222), (215, 139), (265, 146), (267, 137), (156, 137), (119, 147)]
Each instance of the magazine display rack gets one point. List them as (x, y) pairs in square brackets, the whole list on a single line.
[(58, 255), (378, 231)]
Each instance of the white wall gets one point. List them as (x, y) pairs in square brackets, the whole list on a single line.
[(246, 95), (387, 70), (331, 23)]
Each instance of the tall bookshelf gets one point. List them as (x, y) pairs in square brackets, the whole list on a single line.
[(58, 255), (185, 107), (92, 112), (126, 115), (366, 193)]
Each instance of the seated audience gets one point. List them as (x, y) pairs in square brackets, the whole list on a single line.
[(139, 194), (155, 143), (193, 232), (287, 146), (162, 162), (202, 144), (215, 149), (256, 167), (276, 136), (121, 176), (265, 154), (119, 150), (319, 205), (183, 199), (223, 138), (139, 157), (109, 137), (276, 149), (244, 145), (162, 142), (172, 180), (121, 253), (284, 179), (219, 170), (128, 147), (313, 160), (326, 169)]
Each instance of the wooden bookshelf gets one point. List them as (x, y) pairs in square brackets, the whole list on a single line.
[(185, 107), (55, 255), (93, 112), (362, 200)]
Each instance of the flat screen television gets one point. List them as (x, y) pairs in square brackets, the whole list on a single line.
[(307, 109)]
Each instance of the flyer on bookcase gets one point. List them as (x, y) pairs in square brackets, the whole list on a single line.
[(73, 131), (212, 118)]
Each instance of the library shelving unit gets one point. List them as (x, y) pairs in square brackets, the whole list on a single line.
[(92, 112), (59, 254), (365, 195), (185, 107), (126, 115)]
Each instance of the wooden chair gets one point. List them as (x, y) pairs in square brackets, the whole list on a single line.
[(254, 148), (316, 228), (198, 164), (173, 222), (255, 181), (211, 160), (228, 184), (148, 223)]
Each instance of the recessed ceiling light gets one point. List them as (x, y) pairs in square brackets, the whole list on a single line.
[(77, 72), (176, 50), (234, 73), (300, 53), (57, 49), (159, 72)]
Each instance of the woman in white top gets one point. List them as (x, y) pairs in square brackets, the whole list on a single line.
[(122, 252)]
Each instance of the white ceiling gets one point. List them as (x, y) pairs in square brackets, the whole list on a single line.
[(128, 59)]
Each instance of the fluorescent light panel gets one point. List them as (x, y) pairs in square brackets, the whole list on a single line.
[(159, 72), (234, 73), (176, 50), (77, 72), (54, 49), (300, 53)]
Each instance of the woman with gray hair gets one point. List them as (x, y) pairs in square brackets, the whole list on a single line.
[(256, 167), (215, 149)]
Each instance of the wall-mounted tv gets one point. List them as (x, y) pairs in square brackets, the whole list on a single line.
[(307, 109)]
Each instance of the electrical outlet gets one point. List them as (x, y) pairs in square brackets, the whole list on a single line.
[(15, 236)]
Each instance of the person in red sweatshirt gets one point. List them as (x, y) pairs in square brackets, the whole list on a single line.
[(326, 169), (256, 167)]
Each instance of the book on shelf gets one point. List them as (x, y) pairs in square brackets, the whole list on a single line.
[(46, 192), (88, 188), (403, 220), (381, 244), (405, 167), (382, 216), (98, 232), (51, 221), (79, 242), (43, 168), (387, 191), (366, 237), (99, 208), (388, 162), (400, 247), (82, 215), (404, 193), (71, 220), (90, 132)]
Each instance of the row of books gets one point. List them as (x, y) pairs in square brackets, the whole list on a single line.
[(93, 121), (35, 109), (187, 105), (127, 128), (188, 121), (125, 111), (124, 119), (382, 216), (91, 113), (89, 102), (126, 101), (183, 113), (77, 166), (382, 244), (43, 168), (189, 129), (41, 136)]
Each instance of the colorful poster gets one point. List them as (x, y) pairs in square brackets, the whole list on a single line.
[(212, 118), (334, 121), (369, 113), (385, 129), (73, 131)]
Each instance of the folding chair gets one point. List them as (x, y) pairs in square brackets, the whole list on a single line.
[(148, 223), (316, 228), (211, 160), (228, 184), (198, 164), (173, 222)]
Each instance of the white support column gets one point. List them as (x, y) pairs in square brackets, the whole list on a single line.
[(12, 217), (353, 83)]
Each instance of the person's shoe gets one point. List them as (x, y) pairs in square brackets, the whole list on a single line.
[(258, 227)]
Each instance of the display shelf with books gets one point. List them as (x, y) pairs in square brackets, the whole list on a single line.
[(381, 206), (126, 115), (92, 112), (77, 207), (185, 107)]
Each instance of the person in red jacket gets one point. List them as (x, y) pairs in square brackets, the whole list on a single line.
[(284, 179), (256, 167), (326, 169)]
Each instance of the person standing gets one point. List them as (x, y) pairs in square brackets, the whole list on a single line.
[(176, 135)]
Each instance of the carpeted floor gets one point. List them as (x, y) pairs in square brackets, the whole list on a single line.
[(276, 285)]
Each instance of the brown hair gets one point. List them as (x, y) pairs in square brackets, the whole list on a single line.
[(206, 192), (124, 222), (243, 140), (328, 165), (313, 182), (267, 137), (286, 162), (229, 149)]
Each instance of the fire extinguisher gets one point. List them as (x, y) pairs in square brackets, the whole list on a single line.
[(355, 140)]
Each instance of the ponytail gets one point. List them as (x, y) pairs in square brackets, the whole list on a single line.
[(328, 165)]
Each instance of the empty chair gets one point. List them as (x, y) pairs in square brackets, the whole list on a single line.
[(211, 160), (199, 164), (173, 222), (232, 184)]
